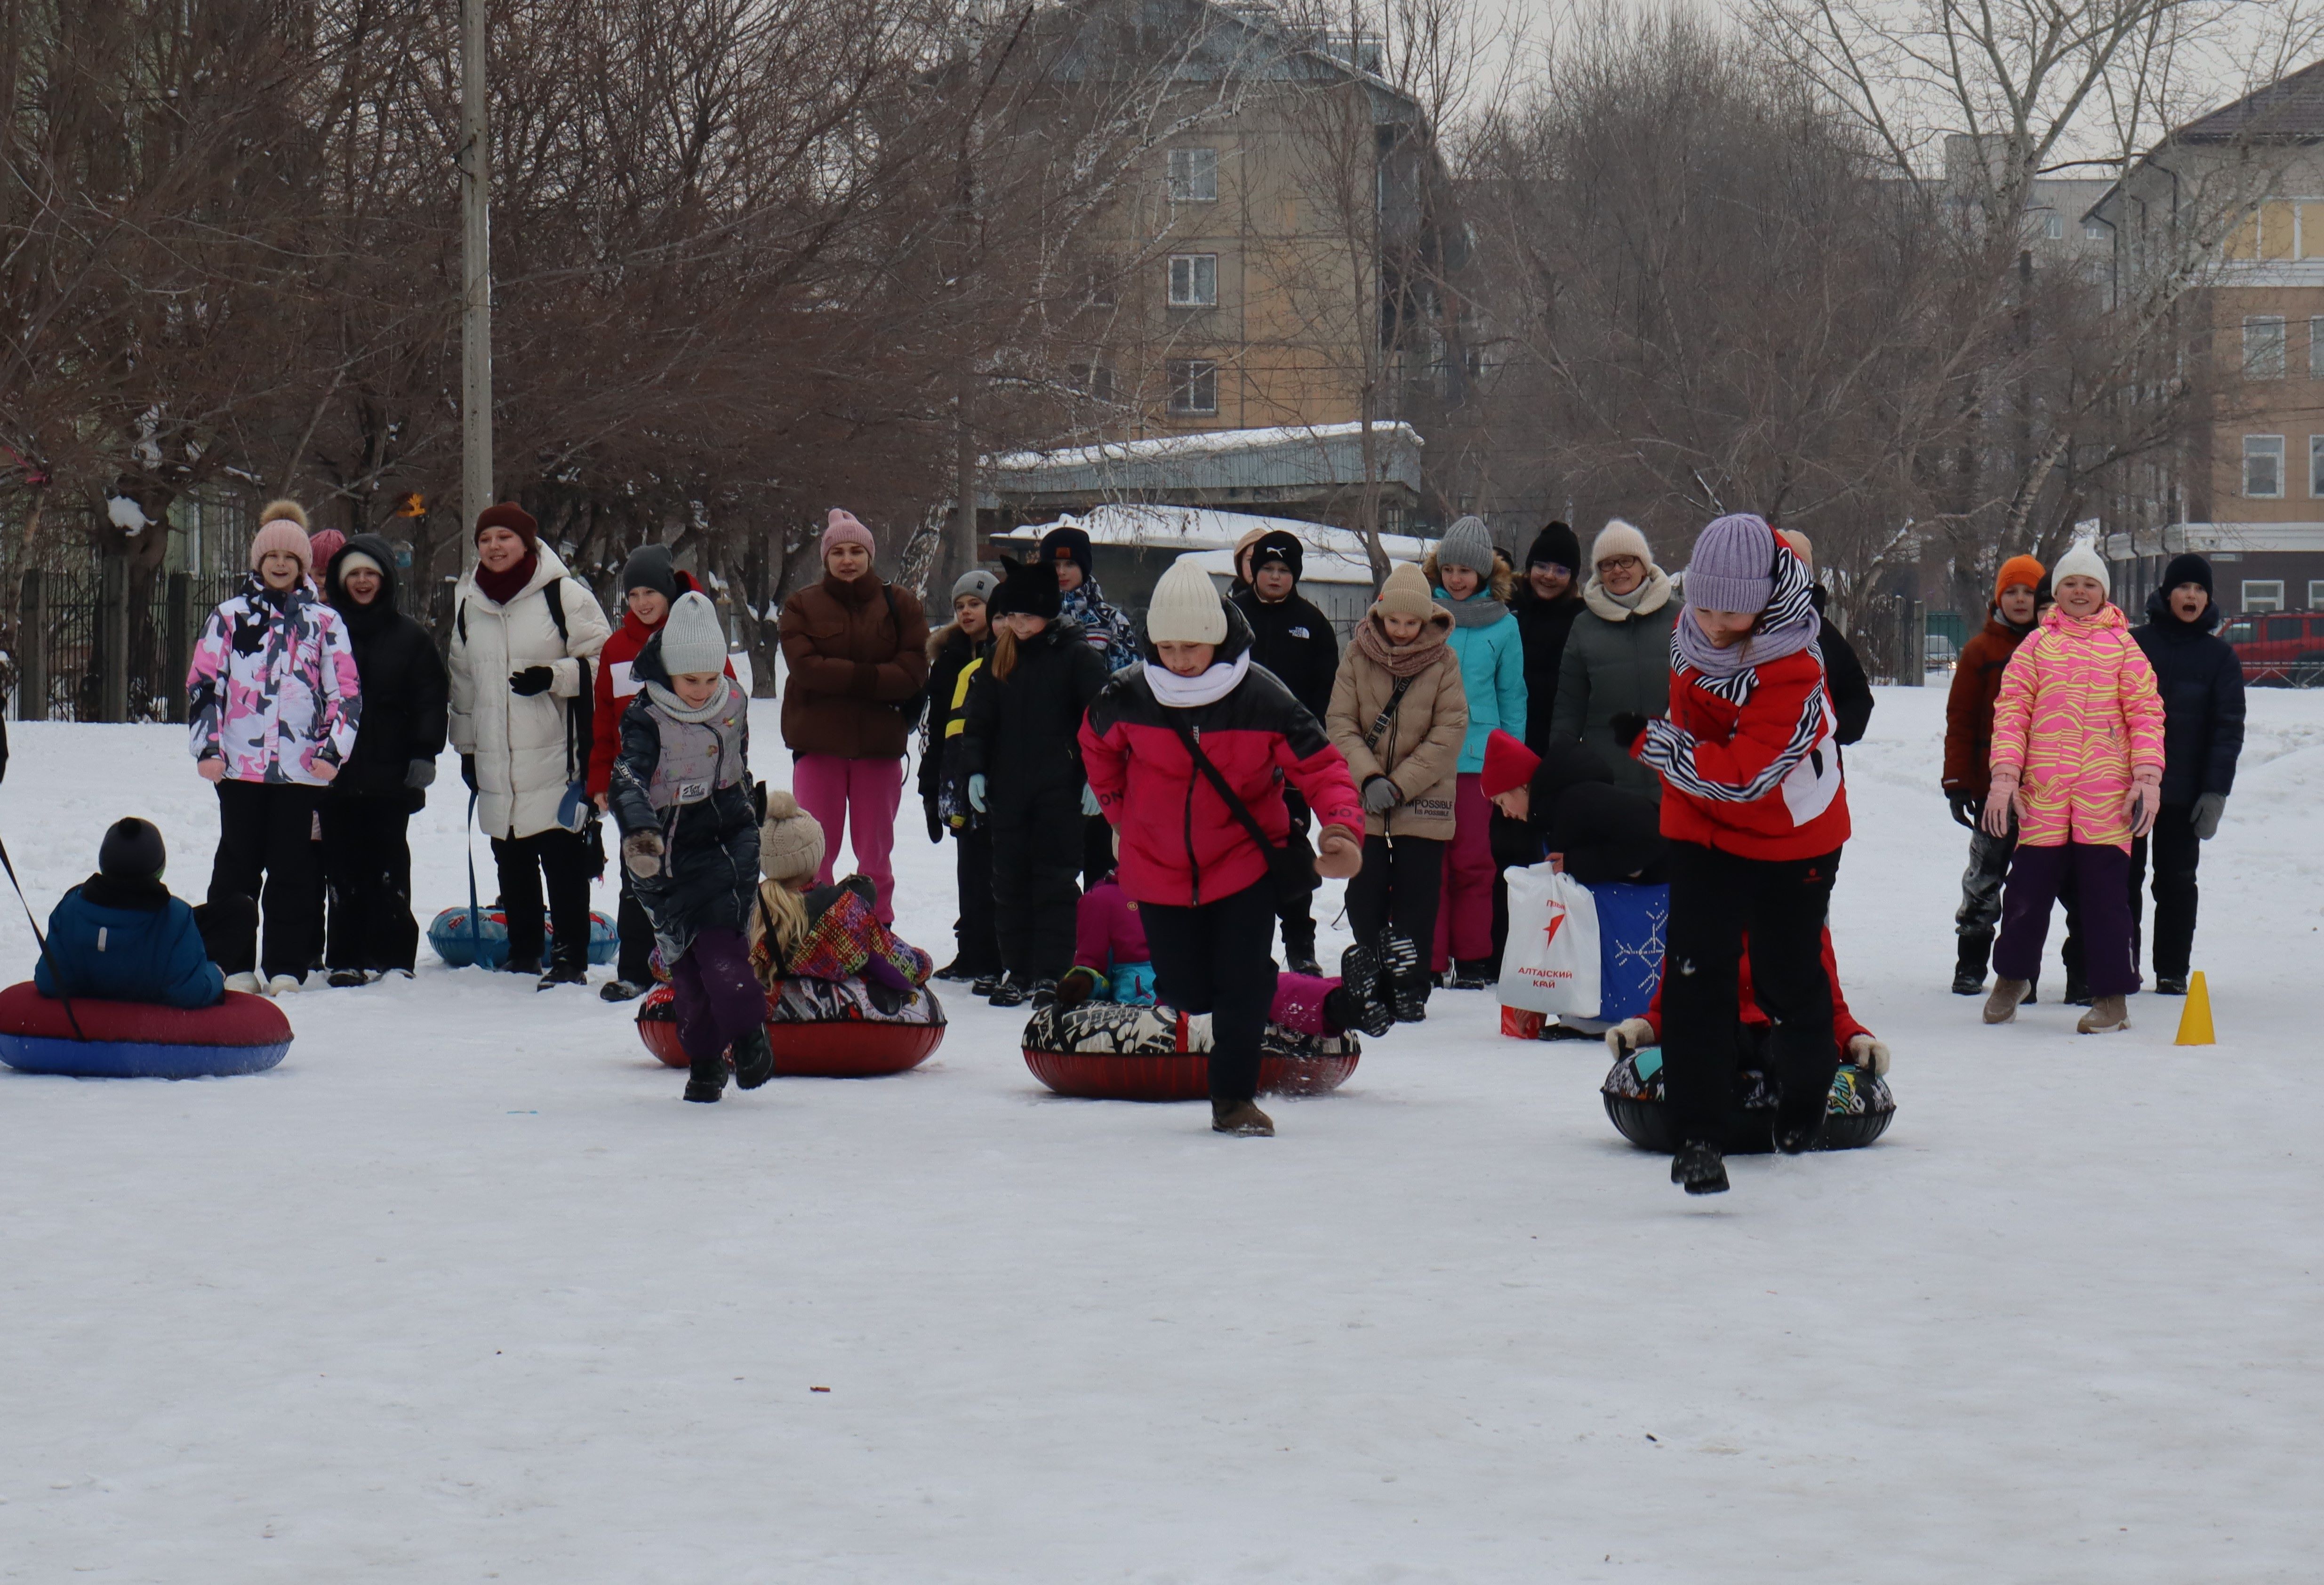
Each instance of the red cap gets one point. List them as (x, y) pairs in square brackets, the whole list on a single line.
[(1509, 764), (508, 515)]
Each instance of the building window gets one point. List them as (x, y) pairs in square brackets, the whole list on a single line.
[(2263, 347), (2094, 231), (1092, 380), (1194, 281), (2263, 594), (1193, 176), (2316, 593), (2316, 466), (1104, 271), (2053, 225), (2264, 467), (1193, 386)]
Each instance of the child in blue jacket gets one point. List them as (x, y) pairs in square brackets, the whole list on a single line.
[(120, 936)]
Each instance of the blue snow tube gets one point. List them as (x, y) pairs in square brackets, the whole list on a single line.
[(449, 934), (244, 1034)]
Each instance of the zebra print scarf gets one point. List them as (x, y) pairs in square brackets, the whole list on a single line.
[(1788, 625)]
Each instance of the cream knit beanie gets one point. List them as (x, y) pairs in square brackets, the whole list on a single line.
[(790, 842), (2082, 561), (692, 640), (1619, 538), (1406, 592), (1186, 608)]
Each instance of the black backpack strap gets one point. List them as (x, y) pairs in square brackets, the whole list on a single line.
[(1386, 715), (1267, 846), (553, 592)]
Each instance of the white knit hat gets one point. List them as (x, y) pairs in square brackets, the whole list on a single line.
[(2082, 561), (1619, 538), (1186, 608), (692, 640)]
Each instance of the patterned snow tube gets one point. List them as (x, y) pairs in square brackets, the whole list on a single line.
[(448, 934), (1104, 1051), (820, 1029), (1860, 1111), (140, 1040)]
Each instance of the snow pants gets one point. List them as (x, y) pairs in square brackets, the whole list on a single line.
[(1978, 918), (634, 927), (1213, 958), (2101, 873), (1296, 910), (266, 852), (856, 799), (976, 940), (1401, 884), (367, 874), (719, 998), (1036, 878), (1716, 899), (567, 860), (2177, 850), (1464, 917)]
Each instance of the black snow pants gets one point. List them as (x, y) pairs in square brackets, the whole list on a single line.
[(1214, 959), (568, 860), (367, 872), (977, 945), (266, 852), (1400, 884), (2177, 849), (1716, 899), (1036, 861)]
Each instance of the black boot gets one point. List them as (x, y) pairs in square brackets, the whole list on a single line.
[(953, 970), (1299, 950), (984, 985), (1968, 972), (1699, 1168), (2078, 990), (1010, 993), (1471, 974), (1363, 1000), (754, 1059), (1406, 976), (705, 1076), (620, 990), (1797, 1127)]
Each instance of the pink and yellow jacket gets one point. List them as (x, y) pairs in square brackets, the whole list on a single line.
[(2077, 715)]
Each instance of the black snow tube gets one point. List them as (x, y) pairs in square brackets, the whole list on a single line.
[(1858, 1112)]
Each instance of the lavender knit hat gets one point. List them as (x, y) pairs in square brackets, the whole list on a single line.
[(1733, 566)]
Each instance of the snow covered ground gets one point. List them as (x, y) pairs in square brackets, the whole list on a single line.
[(462, 1290)]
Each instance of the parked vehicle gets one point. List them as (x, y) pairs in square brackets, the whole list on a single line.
[(2282, 650)]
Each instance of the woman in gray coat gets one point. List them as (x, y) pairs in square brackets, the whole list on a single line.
[(1616, 660)]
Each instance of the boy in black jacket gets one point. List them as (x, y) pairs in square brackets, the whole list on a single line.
[(2202, 688), (1295, 640)]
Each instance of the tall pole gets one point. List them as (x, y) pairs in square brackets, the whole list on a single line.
[(476, 273)]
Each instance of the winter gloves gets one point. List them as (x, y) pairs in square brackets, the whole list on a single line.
[(1338, 856), (936, 821), (2145, 801), (1629, 728), (1868, 1055), (1968, 809), (1380, 795), (977, 792), (1629, 1037), (2206, 815), (2001, 804), (531, 680), (420, 774), (1089, 801), (1076, 986), (641, 852)]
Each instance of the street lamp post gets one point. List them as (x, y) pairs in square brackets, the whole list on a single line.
[(476, 275)]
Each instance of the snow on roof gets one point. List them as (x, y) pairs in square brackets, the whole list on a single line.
[(1202, 442), (1332, 554)]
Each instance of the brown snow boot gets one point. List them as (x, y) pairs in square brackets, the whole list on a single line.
[(1241, 1117), (2001, 1007), (2108, 1016)]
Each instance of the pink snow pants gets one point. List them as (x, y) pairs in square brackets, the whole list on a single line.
[(857, 799), (1464, 912)]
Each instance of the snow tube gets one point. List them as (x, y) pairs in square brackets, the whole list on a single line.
[(1859, 1111), (448, 934), (1104, 1051), (140, 1040), (821, 1029)]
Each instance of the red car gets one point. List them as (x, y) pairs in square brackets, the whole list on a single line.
[(2279, 650)]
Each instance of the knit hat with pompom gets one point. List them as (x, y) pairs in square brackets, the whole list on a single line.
[(790, 842)]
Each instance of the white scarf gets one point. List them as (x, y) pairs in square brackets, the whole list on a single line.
[(1183, 693), (670, 704)]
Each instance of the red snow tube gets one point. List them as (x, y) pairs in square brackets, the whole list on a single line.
[(244, 1034), (1103, 1051), (849, 1049)]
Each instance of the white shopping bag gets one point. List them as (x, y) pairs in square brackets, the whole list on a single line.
[(1551, 963)]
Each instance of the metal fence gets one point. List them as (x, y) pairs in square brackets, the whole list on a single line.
[(105, 642)]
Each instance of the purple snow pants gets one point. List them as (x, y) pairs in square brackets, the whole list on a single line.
[(2102, 876), (718, 997)]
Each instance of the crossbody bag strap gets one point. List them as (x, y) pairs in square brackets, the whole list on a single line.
[(1217, 779), (1387, 715)]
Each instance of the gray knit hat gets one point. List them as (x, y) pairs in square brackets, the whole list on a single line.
[(979, 582), (1467, 543), (692, 640)]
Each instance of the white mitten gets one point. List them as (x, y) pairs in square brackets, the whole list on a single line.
[(1630, 1037), (1868, 1055)]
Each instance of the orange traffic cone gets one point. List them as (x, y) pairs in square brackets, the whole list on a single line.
[(2194, 1023)]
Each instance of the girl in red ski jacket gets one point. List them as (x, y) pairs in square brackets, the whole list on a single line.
[(1755, 815), (652, 584), (1202, 883)]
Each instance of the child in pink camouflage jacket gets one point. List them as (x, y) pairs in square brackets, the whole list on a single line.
[(2077, 763), (272, 698)]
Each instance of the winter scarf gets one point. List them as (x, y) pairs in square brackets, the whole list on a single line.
[(501, 587), (1788, 625), (1478, 610), (1185, 693), (1651, 595), (668, 702), (1402, 659)]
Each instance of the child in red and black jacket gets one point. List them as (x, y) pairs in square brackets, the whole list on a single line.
[(1754, 810), (1202, 886), (652, 583)]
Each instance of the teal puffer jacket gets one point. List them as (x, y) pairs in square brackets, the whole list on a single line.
[(1492, 670)]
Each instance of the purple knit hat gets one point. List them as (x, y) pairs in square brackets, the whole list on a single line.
[(1733, 566)]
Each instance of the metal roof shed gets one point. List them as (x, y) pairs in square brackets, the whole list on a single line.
[(1313, 472)]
